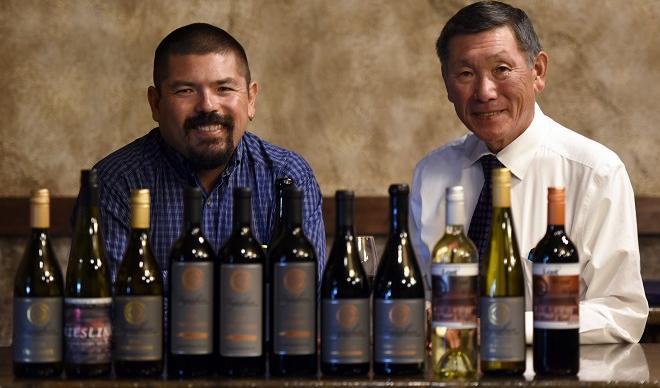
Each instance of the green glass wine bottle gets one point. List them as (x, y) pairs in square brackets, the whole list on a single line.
[(38, 299), (502, 307), (87, 294), (138, 307)]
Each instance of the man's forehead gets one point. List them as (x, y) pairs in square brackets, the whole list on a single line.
[(490, 44)]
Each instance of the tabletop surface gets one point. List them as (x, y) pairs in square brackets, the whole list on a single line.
[(619, 365)]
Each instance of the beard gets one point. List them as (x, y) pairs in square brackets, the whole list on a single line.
[(208, 154)]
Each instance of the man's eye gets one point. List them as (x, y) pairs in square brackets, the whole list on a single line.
[(464, 74), (183, 91), (502, 70), (224, 89)]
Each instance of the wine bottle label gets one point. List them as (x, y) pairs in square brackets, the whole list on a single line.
[(345, 331), (87, 330), (399, 330), (503, 329), (294, 302), (191, 326), (37, 330), (241, 310), (138, 328), (454, 300), (556, 296)]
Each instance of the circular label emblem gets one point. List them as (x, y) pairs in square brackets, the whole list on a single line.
[(294, 281), (400, 315), (192, 279), (134, 312), (347, 316), (499, 314), (38, 314), (540, 286), (240, 281)]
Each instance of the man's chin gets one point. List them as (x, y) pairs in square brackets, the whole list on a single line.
[(209, 159)]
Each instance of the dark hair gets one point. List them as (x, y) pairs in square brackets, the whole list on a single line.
[(197, 38), (484, 16)]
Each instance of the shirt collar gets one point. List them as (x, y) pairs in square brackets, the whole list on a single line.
[(517, 155)]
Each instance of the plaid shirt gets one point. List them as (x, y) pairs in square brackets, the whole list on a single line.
[(150, 163)]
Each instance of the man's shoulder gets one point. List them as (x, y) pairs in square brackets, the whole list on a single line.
[(131, 159), (579, 148), (448, 153), (284, 162)]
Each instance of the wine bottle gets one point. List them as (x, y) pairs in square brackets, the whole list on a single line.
[(276, 233), (191, 303), (38, 299), (240, 276), (138, 307), (345, 296), (556, 284), (454, 268), (399, 318), (293, 276), (87, 294), (502, 307)]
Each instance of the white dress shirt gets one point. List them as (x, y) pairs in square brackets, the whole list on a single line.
[(600, 216)]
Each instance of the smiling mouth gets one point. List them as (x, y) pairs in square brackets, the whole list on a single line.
[(488, 115), (208, 129)]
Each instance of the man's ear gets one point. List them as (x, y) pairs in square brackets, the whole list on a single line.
[(253, 89), (540, 70), (154, 99)]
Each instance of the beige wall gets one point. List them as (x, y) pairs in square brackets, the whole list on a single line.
[(347, 84)]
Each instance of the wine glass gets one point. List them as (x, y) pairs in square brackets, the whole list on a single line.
[(366, 247)]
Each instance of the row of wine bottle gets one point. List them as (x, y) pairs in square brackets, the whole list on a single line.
[(226, 313), (491, 294)]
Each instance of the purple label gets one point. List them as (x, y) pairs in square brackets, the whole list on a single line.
[(87, 330)]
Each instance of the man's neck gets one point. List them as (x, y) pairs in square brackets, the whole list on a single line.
[(209, 178)]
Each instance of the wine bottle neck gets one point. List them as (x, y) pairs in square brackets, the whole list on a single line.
[(454, 229), (293, 213), (455, 215), (242, 213), (344, 217), (398, 213)]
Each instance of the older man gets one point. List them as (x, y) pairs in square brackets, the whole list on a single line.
[(493, 68), (203, 98)]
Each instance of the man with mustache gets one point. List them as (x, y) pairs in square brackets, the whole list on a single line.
[(493, 68), (203, 99)]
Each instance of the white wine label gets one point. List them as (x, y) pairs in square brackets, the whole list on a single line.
[(191, 326), (399, 330), (138, 328), (37, 330), (503, 329), (241, 310), (556, 269), (454, 295), (464, 269), (556, 290), (87, 330), (345, 331), (294, 309)]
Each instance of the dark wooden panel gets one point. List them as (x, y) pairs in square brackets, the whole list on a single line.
[(15, 216), (371, 215)]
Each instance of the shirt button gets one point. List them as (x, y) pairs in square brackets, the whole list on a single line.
[(208, 202)]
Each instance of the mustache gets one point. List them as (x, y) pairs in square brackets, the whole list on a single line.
[(210, 118)]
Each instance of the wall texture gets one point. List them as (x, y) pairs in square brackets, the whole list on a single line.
[(345, 83)]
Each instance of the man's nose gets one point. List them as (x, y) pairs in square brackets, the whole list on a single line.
[(206, 102), (485, 89)]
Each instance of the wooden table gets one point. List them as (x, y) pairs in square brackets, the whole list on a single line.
[(600, 365)]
